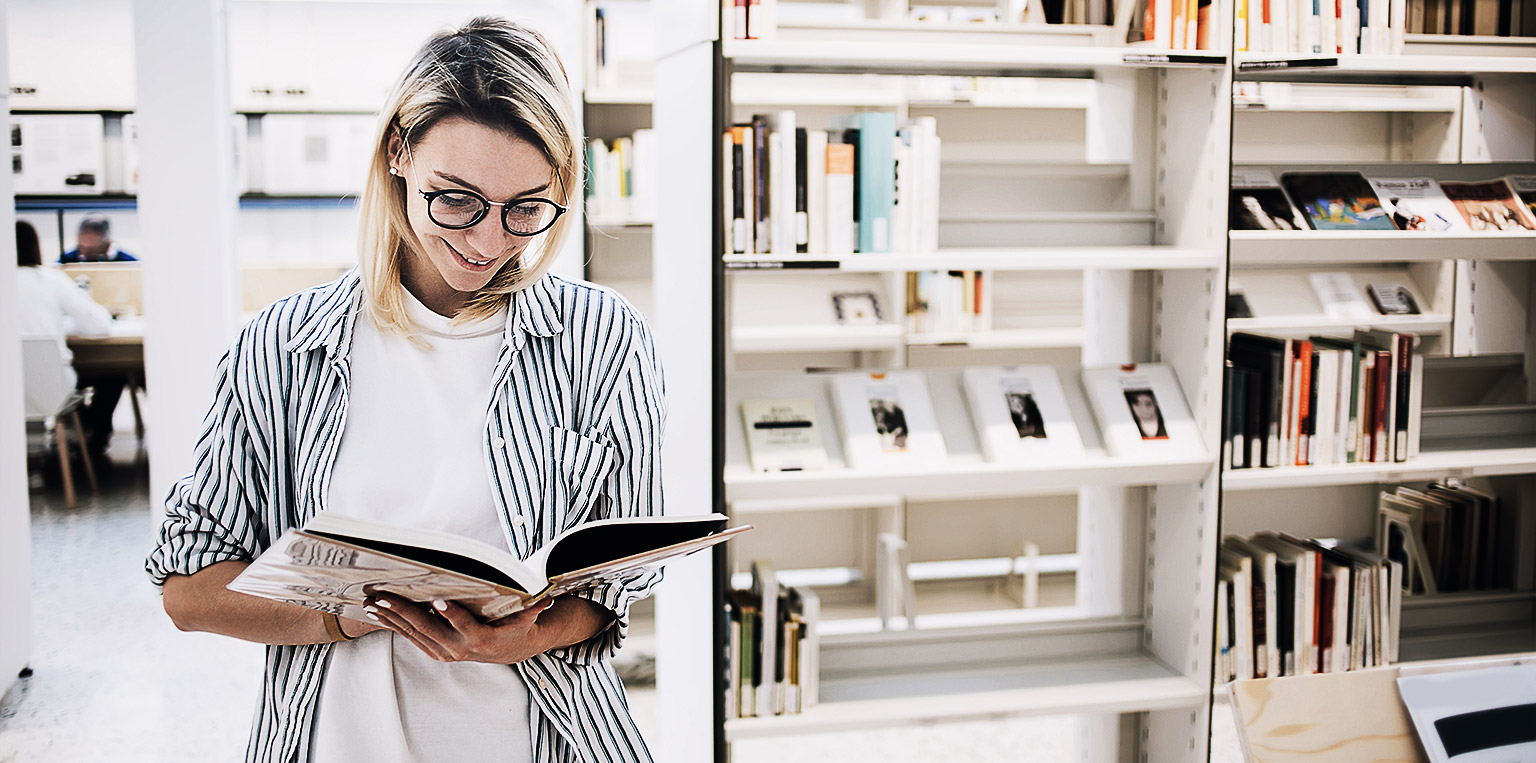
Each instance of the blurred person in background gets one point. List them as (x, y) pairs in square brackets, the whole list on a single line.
[(449, 383), (93, 243), (51, 304)]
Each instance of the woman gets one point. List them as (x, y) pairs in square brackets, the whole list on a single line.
[(449, 383), (52, 306)]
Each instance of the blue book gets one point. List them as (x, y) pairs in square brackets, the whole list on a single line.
[(876, 179)]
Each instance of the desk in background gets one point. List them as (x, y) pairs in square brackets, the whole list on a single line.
[(121, 351)]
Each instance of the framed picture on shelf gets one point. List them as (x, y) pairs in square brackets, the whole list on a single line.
[(1393, 298), (783, 436), (887, 420), (1141, 411), (1021, 414), (857, 308)]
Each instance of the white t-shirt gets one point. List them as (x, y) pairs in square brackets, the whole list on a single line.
[(53, 306), (411, 455)]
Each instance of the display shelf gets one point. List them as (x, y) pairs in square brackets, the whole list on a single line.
[(816, 338), (1001, 339), (1300, 325), (1396, 100), (1310, 247), (995, 55), (1428, 466), (1129, 683), (963, 478), (1021, 259)]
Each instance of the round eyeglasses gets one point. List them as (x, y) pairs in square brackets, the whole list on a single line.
[(457, 209)]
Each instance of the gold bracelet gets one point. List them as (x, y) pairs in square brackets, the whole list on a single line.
[(333, 627)]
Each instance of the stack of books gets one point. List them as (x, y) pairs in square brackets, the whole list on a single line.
[(1448, 537), (1287, 606), (622, 178), (774, 660), (1301, 402), (863, 185)]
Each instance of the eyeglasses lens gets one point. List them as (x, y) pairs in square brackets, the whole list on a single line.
[(454, 209)]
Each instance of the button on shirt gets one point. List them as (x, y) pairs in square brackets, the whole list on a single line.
[(575, 397)]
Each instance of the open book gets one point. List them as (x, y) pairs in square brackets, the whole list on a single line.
[(334, 562)]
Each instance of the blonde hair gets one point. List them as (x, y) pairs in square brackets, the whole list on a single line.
[(493, 72)]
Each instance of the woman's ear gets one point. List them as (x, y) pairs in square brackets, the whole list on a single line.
[(395, 149)]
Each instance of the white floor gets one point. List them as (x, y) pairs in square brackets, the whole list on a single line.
[(114, 680)]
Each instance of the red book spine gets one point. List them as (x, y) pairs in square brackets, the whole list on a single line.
[(1303, 386), (1381, 428)]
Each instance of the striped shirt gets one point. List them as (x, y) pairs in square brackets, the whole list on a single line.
[(576, 414)]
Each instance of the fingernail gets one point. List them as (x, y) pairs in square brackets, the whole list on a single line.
[(384, 604), (371, 616), (369, 609), (440, 605)]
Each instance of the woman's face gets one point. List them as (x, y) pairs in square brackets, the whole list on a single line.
[(459, 154), (1144, 407)]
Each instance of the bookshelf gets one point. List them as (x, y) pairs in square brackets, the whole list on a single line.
[(1104, 181), (1464, 109)]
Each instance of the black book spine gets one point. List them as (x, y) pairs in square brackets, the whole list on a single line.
[(760, 234), (802, 172), (1285, 623), (1404, 383), (851, 137)]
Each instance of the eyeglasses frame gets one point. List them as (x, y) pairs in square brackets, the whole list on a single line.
[(485, 210)]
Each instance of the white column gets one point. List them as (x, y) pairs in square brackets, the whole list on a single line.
[(15, 509), (187, 206), (682, 267)]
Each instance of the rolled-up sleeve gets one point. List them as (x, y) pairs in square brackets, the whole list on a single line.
[(633, 489), (211, 514)]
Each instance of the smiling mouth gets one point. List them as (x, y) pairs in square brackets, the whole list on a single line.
[(468, 260)]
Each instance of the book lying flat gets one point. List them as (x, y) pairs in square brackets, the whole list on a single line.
[(333, 563)]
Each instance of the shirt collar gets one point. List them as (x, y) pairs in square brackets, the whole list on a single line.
[(534, 310)]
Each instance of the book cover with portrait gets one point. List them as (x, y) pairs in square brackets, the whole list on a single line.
[(1417, 204), (887, 419), (1337, 201), (1021, 414), (1141, 411), (1258, 203)]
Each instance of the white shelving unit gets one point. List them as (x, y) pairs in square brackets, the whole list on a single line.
[(1466, 110), (1108, 197)]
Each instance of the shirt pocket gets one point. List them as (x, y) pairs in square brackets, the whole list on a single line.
[(579, 465)]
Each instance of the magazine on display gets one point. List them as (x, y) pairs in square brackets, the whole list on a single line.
[(1337, 201), (1490, 206), (887, 420), (334, 562), (1141, 411), (783, 436), (1021, 414), (1525, 187), (1258, 203), (1417, 204)]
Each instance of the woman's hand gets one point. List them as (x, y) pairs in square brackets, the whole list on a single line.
[(447, 632)]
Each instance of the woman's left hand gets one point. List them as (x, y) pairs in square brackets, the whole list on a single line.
[(447, 632)]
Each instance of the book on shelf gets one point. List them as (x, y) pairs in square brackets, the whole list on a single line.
[(1417, 204), (1258, 203), (1449, 537), (887, 420), (783, 436), (621, 177), (948, 301), (1327, 28), (1302, 606), (774, 655), (1324, 400), (1141, 410), (1524, 186), (1340, 297), (1484, 18), (1490, 205), (748, 19), (1021, 414), (1336, 201), (863, 184), (334, 562)]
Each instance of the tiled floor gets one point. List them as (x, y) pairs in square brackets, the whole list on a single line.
[(115, 681)]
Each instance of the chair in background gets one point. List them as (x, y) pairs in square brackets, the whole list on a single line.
[(52, 404)]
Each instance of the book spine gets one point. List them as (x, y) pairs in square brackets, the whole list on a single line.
[(816, 189), (761, 236), (741, 196), (1380, 399), (841, 235), (876, 180), (1404, 391), (802, 221)]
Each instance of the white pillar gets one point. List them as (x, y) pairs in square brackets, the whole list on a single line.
[(682, 268), (15, 509), (187, 205)]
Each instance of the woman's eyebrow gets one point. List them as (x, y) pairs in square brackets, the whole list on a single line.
[(471, 186)]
